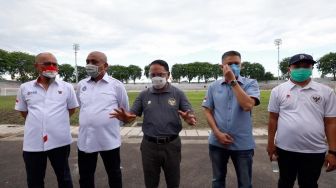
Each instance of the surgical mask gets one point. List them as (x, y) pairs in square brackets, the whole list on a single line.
[(300, 74), (92, 70), (235, 69), (50, 72), (159, 82)]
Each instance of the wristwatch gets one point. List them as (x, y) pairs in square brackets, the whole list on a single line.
[(233, 83), (333, 152)]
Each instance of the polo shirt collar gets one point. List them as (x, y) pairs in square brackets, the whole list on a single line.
[(167, 89), (310, 85), (105, 78), (239, 79), (36, 81)]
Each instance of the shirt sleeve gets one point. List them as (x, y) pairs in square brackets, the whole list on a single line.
[(330, 106), (72, 99), (273, 104), (208, 101), (137, 107), (122, 97), (184, 102), (253, 91), (20, 103)]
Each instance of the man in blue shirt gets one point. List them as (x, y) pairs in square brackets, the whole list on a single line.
[(227, 107)]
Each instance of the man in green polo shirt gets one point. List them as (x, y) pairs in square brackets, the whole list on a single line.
[(162, 105)]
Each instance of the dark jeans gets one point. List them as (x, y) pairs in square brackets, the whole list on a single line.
[(87, 163), (305, 166), (242, 161), (165, 156), (36, 163)]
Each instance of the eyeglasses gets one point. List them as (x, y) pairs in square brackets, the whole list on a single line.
[(162, 74), (49, 64)]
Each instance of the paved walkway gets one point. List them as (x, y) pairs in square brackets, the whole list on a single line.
[(7, 130)]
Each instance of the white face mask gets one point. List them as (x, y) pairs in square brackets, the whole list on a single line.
[(92, 70), (49, 74), (158, 82)]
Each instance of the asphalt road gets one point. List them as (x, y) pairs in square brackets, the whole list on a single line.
[(195, 167)]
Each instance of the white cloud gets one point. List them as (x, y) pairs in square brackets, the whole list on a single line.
[(138, 31)]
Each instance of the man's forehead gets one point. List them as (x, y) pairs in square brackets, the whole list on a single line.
[(46, 57), (97, 55)]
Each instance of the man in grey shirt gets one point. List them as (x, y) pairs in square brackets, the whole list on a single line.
[(162, 105)]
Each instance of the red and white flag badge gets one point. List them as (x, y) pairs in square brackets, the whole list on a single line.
[(45, 138)]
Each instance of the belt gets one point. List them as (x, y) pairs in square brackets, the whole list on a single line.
[(160, 139)]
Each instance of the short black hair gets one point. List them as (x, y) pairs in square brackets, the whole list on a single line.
[(160, 62), (230, 53)]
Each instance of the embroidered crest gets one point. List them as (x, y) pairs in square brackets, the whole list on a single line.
[(302, 57), (59, 92), (84, 88), (171, 101), (149, 102), (316, 98)]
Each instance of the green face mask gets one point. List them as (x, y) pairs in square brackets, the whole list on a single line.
[(300, 74)]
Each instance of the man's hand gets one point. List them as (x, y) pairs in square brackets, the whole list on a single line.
[(224, 138), (228, 74), (330, 162), (122, 115), (271, 150), (188, 117)]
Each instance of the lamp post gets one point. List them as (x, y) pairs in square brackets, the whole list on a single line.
[(76, 48), (277, 43)]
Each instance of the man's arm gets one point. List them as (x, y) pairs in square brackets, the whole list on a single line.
[(244, 100), (330, 131), (272, 128), (223, 138)]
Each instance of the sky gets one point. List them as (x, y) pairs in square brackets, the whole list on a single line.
[(177, 31)]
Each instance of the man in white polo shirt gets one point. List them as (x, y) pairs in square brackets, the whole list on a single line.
[(302, 114), (98, 95), (46, 104)]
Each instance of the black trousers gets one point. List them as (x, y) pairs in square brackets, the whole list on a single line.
[(87, 163), (165, 156), (305, 166), (36, 163)]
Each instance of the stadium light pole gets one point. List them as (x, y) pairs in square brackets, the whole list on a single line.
[(76, 48), (277, 43)]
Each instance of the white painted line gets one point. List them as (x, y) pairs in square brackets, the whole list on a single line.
[(125, 131), (191, 133), (203, 132), (182, 133), (134, 132)]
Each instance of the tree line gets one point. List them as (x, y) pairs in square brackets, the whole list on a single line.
[(20, 66)]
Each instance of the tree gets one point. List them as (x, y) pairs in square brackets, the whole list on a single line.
[(21, 66), (216, 71), (246, 69), (284, 64), (134, 72), (191, 71), (146, 72), (327, 64), (81, 73), (66, 71), (177, 72), (4, 63), (268, 76), (257, 71), (119, 72)]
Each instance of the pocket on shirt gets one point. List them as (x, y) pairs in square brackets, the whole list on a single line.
[(109, 99)]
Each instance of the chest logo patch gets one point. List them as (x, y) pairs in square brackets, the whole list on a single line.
[(60, 92), (172, 102), (31, 92), (149, 102), (316, 98), (84, 88)]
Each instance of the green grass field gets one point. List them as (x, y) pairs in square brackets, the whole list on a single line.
[(260, 115)]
